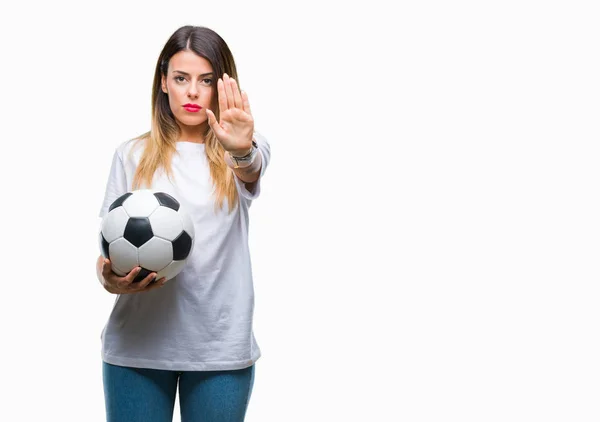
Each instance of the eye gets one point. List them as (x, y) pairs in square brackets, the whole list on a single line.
[(207, 81), (179, 78)]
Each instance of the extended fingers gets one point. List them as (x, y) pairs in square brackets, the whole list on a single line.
[(237, 98), (222, 96), (246, 102), (230, 95), (229, 91)]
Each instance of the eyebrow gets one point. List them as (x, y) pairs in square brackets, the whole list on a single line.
[(187, 74)]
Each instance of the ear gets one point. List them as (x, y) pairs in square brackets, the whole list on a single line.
[(163, 84)]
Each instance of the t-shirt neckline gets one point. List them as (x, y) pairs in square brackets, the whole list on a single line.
[(189, 145)]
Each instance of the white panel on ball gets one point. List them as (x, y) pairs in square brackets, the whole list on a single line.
[(155, 254), (123, 255), (141, 204), (166, 223), (113, 224), (188, 224), (171, 270)]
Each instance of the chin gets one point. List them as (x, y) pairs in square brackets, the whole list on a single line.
[(192, 121)]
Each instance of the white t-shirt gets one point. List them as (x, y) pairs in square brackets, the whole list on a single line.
[(201, 320)]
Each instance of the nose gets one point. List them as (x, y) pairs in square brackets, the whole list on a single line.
[(193, 91)]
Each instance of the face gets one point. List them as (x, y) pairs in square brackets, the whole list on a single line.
[(190, 86)]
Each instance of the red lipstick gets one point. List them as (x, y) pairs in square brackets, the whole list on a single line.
[(192, 107)]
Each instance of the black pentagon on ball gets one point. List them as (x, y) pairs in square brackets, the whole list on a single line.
[(167, 200), (182, 246), (104, 247), (138, 231), (119, 201)]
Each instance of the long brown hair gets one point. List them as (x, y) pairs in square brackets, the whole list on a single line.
[(161, 140)]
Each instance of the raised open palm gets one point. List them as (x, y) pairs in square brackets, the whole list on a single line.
[(236, 127)]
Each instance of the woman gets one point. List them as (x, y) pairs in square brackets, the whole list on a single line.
[(195, 330)]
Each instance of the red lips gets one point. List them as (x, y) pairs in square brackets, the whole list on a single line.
[(192, 108)]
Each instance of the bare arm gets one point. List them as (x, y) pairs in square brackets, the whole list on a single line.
[(235, 115)]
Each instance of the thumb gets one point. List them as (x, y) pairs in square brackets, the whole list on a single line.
[(211, 117), (212, 122)]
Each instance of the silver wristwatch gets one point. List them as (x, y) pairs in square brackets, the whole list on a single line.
[(246, 158)]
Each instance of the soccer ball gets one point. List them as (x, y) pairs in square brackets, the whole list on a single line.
[(147, 229)]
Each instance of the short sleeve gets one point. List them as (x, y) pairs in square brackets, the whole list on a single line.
[(116, 184), (264, 148)]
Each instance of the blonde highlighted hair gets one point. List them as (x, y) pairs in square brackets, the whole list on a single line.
[(160, 141)]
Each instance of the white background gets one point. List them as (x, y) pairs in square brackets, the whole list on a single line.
[(426, 244)]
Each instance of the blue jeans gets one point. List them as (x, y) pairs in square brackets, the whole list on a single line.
[(148, 395)]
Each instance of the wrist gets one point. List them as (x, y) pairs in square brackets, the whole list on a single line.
[(240, 152), (243, 152), (247, 172), (242, 159)]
